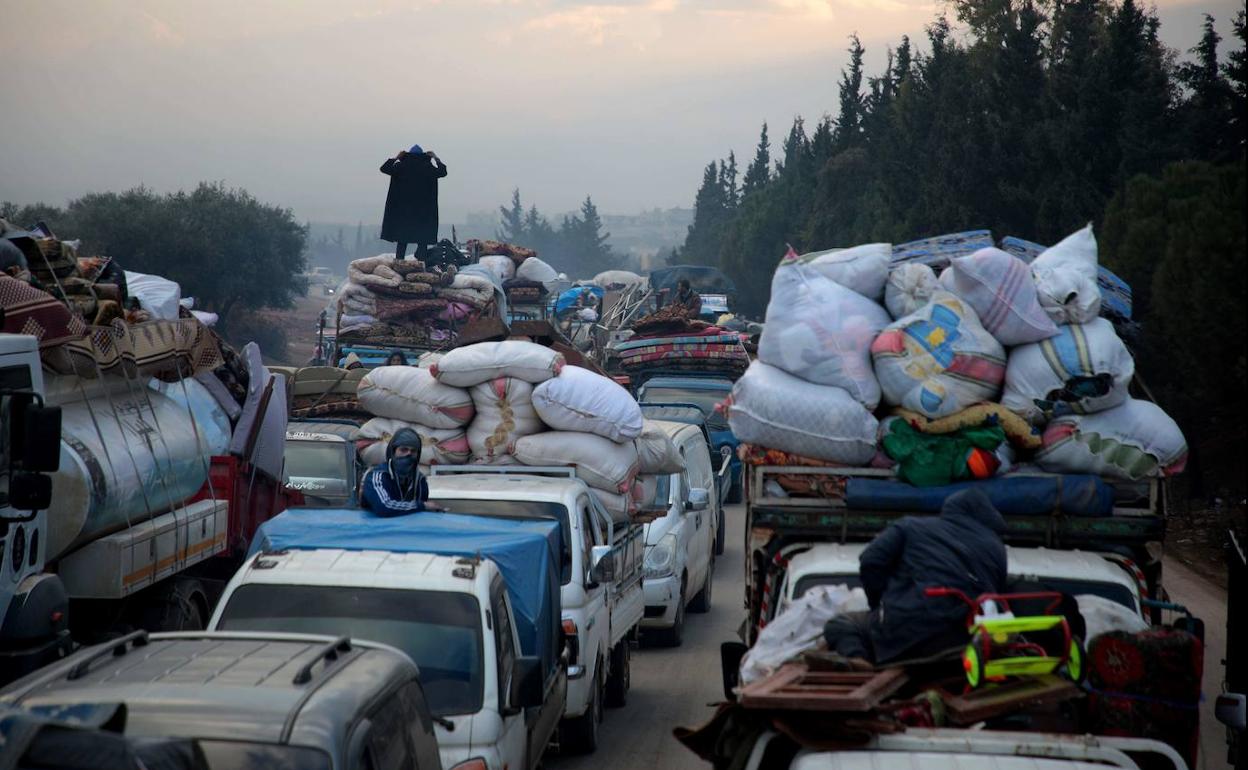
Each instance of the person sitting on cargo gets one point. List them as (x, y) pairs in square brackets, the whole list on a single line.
[(396, 358), (961, 548), (397, 487), (687, 298)]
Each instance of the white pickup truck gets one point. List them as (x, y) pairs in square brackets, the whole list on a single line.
[(599, 618)]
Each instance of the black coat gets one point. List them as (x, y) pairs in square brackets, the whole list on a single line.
[(961, 548), (412, 203)]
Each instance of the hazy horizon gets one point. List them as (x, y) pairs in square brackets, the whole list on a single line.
[(300, 102)]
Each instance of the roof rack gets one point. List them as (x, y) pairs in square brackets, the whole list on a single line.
[(504, 470), (327, 653), (116, 648)]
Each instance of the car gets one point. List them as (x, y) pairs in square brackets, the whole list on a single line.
[(322, 463), (249, 701), (704, 392), (680, 547)]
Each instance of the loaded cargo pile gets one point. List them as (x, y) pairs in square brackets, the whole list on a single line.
[(670, 340), (526, 279), (519, 403), (989, 364)]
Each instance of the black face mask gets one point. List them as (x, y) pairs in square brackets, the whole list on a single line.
[(404, 469)]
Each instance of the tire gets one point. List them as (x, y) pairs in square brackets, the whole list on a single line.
[(675, 636), (720, 535), (701, 603), (180, 606), (579, 735), (621, 677)]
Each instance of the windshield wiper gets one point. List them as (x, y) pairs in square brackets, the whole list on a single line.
[(444, 722)]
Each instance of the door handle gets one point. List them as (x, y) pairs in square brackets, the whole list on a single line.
[(697, 520)]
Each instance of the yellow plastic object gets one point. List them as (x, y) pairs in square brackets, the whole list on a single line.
[(993, 634)]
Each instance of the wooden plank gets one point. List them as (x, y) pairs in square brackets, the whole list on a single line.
[(795, 687), (998, 700)]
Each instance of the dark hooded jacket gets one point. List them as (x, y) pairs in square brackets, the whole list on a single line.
[(386, 490), (412, 202), (961, 548)]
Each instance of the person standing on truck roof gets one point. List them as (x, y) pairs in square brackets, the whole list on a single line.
[(961, 548), (412, 202), (397, 487), (687, 298)]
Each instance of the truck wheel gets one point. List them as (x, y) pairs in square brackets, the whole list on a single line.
[(621, 676), (702, 602), (720, 535), (675, 636), (181, 606), (579, 735)]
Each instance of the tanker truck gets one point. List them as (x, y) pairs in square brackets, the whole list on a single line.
[(125, 502)]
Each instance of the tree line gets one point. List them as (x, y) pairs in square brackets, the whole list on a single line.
[(577, 246), (1043, 116)]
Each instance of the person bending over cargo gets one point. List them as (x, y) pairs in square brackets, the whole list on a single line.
[(687, 298), (961, 548), (397, 487)]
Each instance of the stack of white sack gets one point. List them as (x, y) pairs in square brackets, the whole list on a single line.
[(407, 396)]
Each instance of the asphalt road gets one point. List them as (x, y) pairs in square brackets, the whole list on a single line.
[(674, 687)]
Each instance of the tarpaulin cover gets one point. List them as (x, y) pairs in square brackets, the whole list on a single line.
[(567, 300), (704, 280), (527, 553), (1073, 495)]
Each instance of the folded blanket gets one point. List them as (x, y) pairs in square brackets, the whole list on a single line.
[(691, 339), (392, 309), (374, 272)]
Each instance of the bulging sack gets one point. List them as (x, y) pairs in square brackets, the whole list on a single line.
[(820, 331), (939, 360), (999, 288), (774, 409), (910, 287), (600, 462), (474, 364), (1065, 276), (580, 400), (1134, 440), (438, 447), (505, 413), (863, 269), (1086, 368), (619, 506), (413, 395), (534, 269), (499, 266), (656, 452)]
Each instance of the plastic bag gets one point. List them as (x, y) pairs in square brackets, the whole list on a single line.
[(580, 400), (1132, 441), (413, 395), (505, 413), (656, 452), (1101, 615), (939, 360), (821, 331), (1086, 368), (999, 287), (502, 267), (774, 409), (798, 628), (863, 269), (1065, 276), (910, 287), (600, 462), (158, 296), (474, 364)]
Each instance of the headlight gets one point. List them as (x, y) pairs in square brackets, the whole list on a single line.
[(661, 557)]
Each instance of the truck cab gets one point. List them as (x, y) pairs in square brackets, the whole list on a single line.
[(599, 616), (486, 645), (704, 392), (323, 466)]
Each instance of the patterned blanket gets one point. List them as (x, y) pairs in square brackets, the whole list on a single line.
[(166, 350), (28, 310)]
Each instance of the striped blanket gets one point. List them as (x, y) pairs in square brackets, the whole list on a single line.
[(712, 339)]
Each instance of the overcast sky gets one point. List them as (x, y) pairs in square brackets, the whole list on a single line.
[(299, 102)]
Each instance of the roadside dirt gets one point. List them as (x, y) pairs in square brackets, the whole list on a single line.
[(1197, 538)]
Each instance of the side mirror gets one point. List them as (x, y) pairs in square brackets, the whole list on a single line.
[(526, 683), (699, 499), (603, 561), (30, 491), (34, 434), (1231, 709), (730, 655)]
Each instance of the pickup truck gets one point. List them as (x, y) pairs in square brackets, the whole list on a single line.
[(704, 392), (321, 465), (599, 618), (474, 601)]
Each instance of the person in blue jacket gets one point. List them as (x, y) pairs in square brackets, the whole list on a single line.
[(397, 487)]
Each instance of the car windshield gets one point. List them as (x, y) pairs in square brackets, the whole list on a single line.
[(439, 630), (520, 509), (706, 400), (316, 460)]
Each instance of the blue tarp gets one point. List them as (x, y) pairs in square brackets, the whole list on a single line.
[(568, 299), (702, 279), (526, 552), (1073, 495)]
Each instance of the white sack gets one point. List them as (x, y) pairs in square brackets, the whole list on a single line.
[(821, 331), (1043, 378), (863, 269), (205, 318), (938, 360), (1065, 277), (413, 395), (534, 269), (1000, 289), (1101, 615), (772, 408), (798, 628), (503, 268), (1134, 440), (618, 506), (580, 400), (158, 296), (910, 287), (599, 462), (474, 364), (504, 414), (438, 447), (609, 278), (656, 452)]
